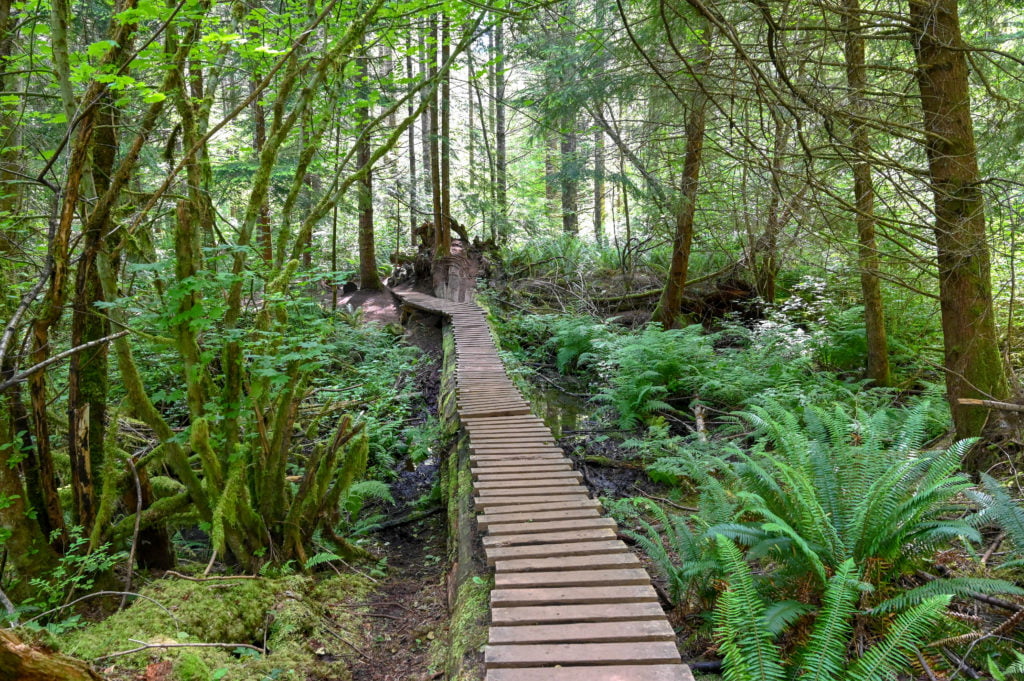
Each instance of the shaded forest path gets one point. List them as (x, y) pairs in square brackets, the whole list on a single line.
[(570, 601)]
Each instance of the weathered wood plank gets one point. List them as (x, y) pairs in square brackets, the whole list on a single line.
[(647, 672), (620, 577), (534, 655), (589, 632)]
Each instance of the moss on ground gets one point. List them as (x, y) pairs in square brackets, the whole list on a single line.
[(467, 630), (292, 616)]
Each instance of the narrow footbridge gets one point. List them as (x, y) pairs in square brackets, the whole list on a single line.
[(570, 601)]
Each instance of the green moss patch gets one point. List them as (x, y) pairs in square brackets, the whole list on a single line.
[(296, 618)]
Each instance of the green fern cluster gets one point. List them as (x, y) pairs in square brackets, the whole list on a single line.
[(746, 635), (575, 341), (648, 367), (834, 493)]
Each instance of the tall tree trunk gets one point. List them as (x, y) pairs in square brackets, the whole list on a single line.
[(765, 251), (864, 197), (973, 365), (368, 275), (425, 134), (667, 310), (500, 133), (259, 140), (413, 208), (25, 544), (490, 135), (442, 238), (551, 176), (87, 371), (471, 126), (599, 236), (445, 141), (569, 176)]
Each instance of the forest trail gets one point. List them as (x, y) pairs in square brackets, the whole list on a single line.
[(570, 601)]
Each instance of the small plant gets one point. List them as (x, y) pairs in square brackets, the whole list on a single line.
[(76, 572)]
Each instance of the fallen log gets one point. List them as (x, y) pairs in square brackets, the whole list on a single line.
[(18, 660)]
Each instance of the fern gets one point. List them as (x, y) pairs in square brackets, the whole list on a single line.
[(825, 654), (744, 641), (886, 658), (781, 615), (742, 627), (998, 506), (953, 586), (319, 559)]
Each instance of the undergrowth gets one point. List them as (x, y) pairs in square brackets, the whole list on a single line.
[(834, 538)]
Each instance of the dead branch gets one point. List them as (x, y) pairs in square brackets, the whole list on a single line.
[(150, 646), (991, 404)]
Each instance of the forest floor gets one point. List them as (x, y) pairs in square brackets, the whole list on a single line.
[(377, 306), (407, 612)]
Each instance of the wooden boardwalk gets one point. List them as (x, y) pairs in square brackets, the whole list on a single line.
[(570, 601)]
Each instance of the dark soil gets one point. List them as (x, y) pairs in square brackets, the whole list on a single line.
[(408, 613)]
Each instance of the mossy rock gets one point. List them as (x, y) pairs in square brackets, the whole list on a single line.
[(292, 615)]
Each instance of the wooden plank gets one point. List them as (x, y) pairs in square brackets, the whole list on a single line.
[(590, 632), (620, 577), (518, 459), (506, 465), (485, 450), (494, 412), (556, 595), (534, 655), (551, 505), (527, 484), (554, 614), (525, 468), (645, 672), (514, 448), (489, 519), (487, 502), (597, 561), (541, 551), (527, 476), (533, 491), (565, 539), (525, 527)]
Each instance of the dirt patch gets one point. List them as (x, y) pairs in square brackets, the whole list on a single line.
[(408, 611), (377, 306)]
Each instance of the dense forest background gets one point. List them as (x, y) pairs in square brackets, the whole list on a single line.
[(768, 246)]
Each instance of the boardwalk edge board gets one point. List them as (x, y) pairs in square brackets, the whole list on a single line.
[(571, 602)]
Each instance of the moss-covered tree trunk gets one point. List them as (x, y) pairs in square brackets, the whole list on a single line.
[(973, 364), (368, 276), (877, 368), (87, 372), (667, 311)]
